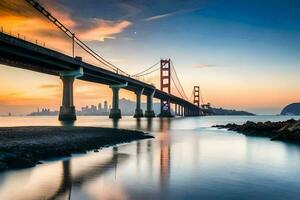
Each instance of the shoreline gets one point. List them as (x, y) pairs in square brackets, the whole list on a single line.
[(287, 131), (26, 146)]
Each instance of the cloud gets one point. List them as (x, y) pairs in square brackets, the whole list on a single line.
[(159, 16), (204, 65), (88, 29), (100, 29), (170, 14), (32, 24), (49, 86)]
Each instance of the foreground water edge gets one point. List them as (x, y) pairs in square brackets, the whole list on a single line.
[(187, 160), (22, 147)]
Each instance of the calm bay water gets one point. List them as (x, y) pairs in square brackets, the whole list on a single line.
[(187, 160)]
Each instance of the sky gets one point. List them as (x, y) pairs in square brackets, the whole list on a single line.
[(244, 54)]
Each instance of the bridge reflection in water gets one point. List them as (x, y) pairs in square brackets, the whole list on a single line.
[(95, 175)]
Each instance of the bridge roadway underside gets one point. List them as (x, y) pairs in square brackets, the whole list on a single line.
[(22, 54)]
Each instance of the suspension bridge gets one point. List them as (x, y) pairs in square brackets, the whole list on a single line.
[(17, 51)]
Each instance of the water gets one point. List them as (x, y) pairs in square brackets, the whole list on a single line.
[(187, 160)]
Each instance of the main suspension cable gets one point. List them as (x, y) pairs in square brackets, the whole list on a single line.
[(142, 72), (72, 35)]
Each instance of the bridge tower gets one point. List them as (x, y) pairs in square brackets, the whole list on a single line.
[(197, 100), (197, 96), (165, 85)]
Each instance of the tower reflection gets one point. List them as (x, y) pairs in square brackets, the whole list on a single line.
[(65, 187), (138, 123), (115, 123), (165, 156), (67, 123), (85, 175), (149, 124)]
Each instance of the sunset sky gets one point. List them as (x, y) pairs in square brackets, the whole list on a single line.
[(243, 54)]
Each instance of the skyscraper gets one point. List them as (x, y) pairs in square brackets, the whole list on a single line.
[(105, 106)]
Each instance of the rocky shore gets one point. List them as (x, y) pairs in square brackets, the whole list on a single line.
[(285, 130), (22, 147)]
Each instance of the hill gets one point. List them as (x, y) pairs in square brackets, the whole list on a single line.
[(291, 109)]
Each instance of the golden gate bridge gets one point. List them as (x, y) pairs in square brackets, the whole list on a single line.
[(14, 51)]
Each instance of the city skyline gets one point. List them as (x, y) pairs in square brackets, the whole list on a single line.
[(127, 108), (243, 54)]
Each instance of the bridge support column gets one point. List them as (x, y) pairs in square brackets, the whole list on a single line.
[(186, 111), (176, 109), (149, 113), (67, 111), (115, 112), (182, 113), (165, 110), (138, 111)]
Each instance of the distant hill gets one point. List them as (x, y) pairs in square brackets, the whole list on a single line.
[(291, 109), (222, 111), (128, 107)]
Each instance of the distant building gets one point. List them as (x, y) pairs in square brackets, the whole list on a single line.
[(44, 112), (94, 110), (105, 105)]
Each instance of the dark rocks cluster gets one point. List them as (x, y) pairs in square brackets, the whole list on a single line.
[(22, 147), (284, 130)]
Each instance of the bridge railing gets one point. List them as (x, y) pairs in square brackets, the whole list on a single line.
[(22, 37)]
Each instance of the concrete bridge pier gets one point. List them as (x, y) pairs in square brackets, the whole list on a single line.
[(67, 111), (138, 111), (115, 112), (181, 110), (186, 111), (165, 110), (149, 113)]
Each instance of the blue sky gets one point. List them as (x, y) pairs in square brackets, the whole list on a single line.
[(244, 54)]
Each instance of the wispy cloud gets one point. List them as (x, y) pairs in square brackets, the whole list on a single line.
[(12, 18), (204, 66), (100, 29), (49, 86), (170, 14)]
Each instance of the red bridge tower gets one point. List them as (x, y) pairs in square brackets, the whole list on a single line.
[(165, 85)]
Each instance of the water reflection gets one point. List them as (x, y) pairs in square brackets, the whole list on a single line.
[(165, 157), (115, 123), (66, 183), (73, 174), (166, 167), (67, 123), (138, 123), (149, 124)]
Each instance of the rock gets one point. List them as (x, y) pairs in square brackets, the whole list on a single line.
[(19, 163), (288, 130), (23, 147), (3, 166)]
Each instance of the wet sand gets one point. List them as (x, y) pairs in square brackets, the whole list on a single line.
[(22, 147)]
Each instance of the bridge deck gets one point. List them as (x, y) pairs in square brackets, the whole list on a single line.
[(22, 54)]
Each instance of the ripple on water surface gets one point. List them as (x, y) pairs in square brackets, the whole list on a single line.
[(186, 160)]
